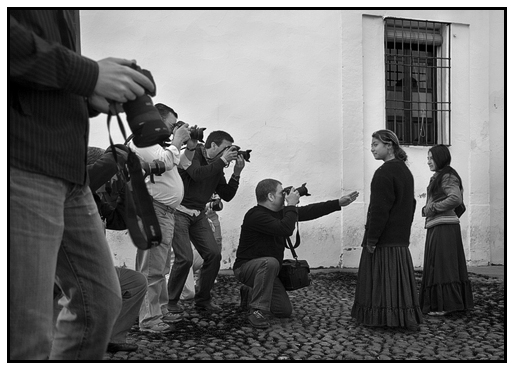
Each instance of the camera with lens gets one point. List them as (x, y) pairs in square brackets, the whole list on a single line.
[(215, 204), (245, 154), (143, 118), (196, 133), (155, 167), (303, 191)]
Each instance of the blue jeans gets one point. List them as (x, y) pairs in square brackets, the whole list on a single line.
[(154, 265), (56, 234), (266, 291), (193, 229)]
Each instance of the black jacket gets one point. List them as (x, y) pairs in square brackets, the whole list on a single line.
[(264, 232), (392, 206)]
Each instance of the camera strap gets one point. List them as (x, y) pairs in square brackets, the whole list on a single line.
[(297, 243), (139, 204)]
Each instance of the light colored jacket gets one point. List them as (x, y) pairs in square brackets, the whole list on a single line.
[(440, 207)]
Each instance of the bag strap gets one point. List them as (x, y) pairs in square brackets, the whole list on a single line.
[(297, 243), (138, 201)]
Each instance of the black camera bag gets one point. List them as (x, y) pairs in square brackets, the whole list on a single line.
[(140, 215), (294, 273)]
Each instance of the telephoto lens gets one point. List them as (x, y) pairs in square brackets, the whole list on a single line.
[(144, 119), (303, 191)]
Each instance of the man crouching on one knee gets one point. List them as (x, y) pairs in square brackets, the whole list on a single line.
[(261, 248)]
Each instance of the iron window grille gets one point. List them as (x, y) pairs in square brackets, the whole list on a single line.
[(417, 70)]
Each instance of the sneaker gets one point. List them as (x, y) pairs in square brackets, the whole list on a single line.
[(257, 319), (121, 347), (174, 308), (171, 317), (158, 328), (244, 296), (209, 307)]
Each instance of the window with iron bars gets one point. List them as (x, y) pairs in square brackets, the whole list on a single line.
[(417, 69)]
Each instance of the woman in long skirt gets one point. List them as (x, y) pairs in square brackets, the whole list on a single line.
[(445, 285), (386, 290)]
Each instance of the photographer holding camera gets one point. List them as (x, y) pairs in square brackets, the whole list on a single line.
[(262, 242), (202, 178), (167, 191), (53, 221)]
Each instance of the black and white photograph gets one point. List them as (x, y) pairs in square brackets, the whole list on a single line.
[(255, 184)]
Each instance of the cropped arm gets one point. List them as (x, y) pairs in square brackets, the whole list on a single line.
[(316, 210), (198, 172), (38, 64), (266, 223)]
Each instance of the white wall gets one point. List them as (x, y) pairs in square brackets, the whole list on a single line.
[(303, 90)]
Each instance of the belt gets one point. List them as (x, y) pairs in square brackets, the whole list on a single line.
[(190, 212), (166, 208)]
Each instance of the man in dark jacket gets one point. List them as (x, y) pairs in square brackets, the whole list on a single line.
[(262, 242), (202, 178)]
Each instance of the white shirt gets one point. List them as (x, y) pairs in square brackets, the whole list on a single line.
[(168, 187)]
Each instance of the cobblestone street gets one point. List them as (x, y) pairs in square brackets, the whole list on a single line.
[(321, 329)]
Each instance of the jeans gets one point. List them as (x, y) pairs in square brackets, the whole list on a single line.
[(193, 229), (266, 291), (134, 286), (56, 235), (153, 263)]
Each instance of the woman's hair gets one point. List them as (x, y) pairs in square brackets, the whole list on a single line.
[(265, 187), (442, 159), (388, 136)]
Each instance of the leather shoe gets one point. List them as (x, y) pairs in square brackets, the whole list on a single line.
[(121, 347), (210, 307), (257, 319), (174, 308)]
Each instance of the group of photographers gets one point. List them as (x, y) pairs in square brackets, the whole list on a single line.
[(58, 247)]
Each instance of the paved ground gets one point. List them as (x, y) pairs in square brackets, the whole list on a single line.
[(321, 328)]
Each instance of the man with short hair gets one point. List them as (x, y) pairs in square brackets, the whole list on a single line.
[(260, 251), (167, 191), (201, 179)]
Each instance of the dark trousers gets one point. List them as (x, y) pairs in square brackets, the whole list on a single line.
[(267, 293), (193, 229)]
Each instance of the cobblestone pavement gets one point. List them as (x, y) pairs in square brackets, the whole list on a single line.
[(321, 329)]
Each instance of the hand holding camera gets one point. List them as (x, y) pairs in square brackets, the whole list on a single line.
[(291, 196), (230, 154), (181, 134), (118, 83)]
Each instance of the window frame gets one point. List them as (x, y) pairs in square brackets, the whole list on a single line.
[(422, 108)]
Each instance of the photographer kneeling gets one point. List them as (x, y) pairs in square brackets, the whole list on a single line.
[(260, 251)]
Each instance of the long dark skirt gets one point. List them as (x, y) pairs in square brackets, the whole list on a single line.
[(445, 284), (386, 291)]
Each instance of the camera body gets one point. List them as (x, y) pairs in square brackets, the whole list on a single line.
[(303, 191), (215, 204), (143, 118), (196, 133)]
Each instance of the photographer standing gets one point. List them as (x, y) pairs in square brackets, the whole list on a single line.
[(260, 251), (54, 229), (201, 179), (167, 192)]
